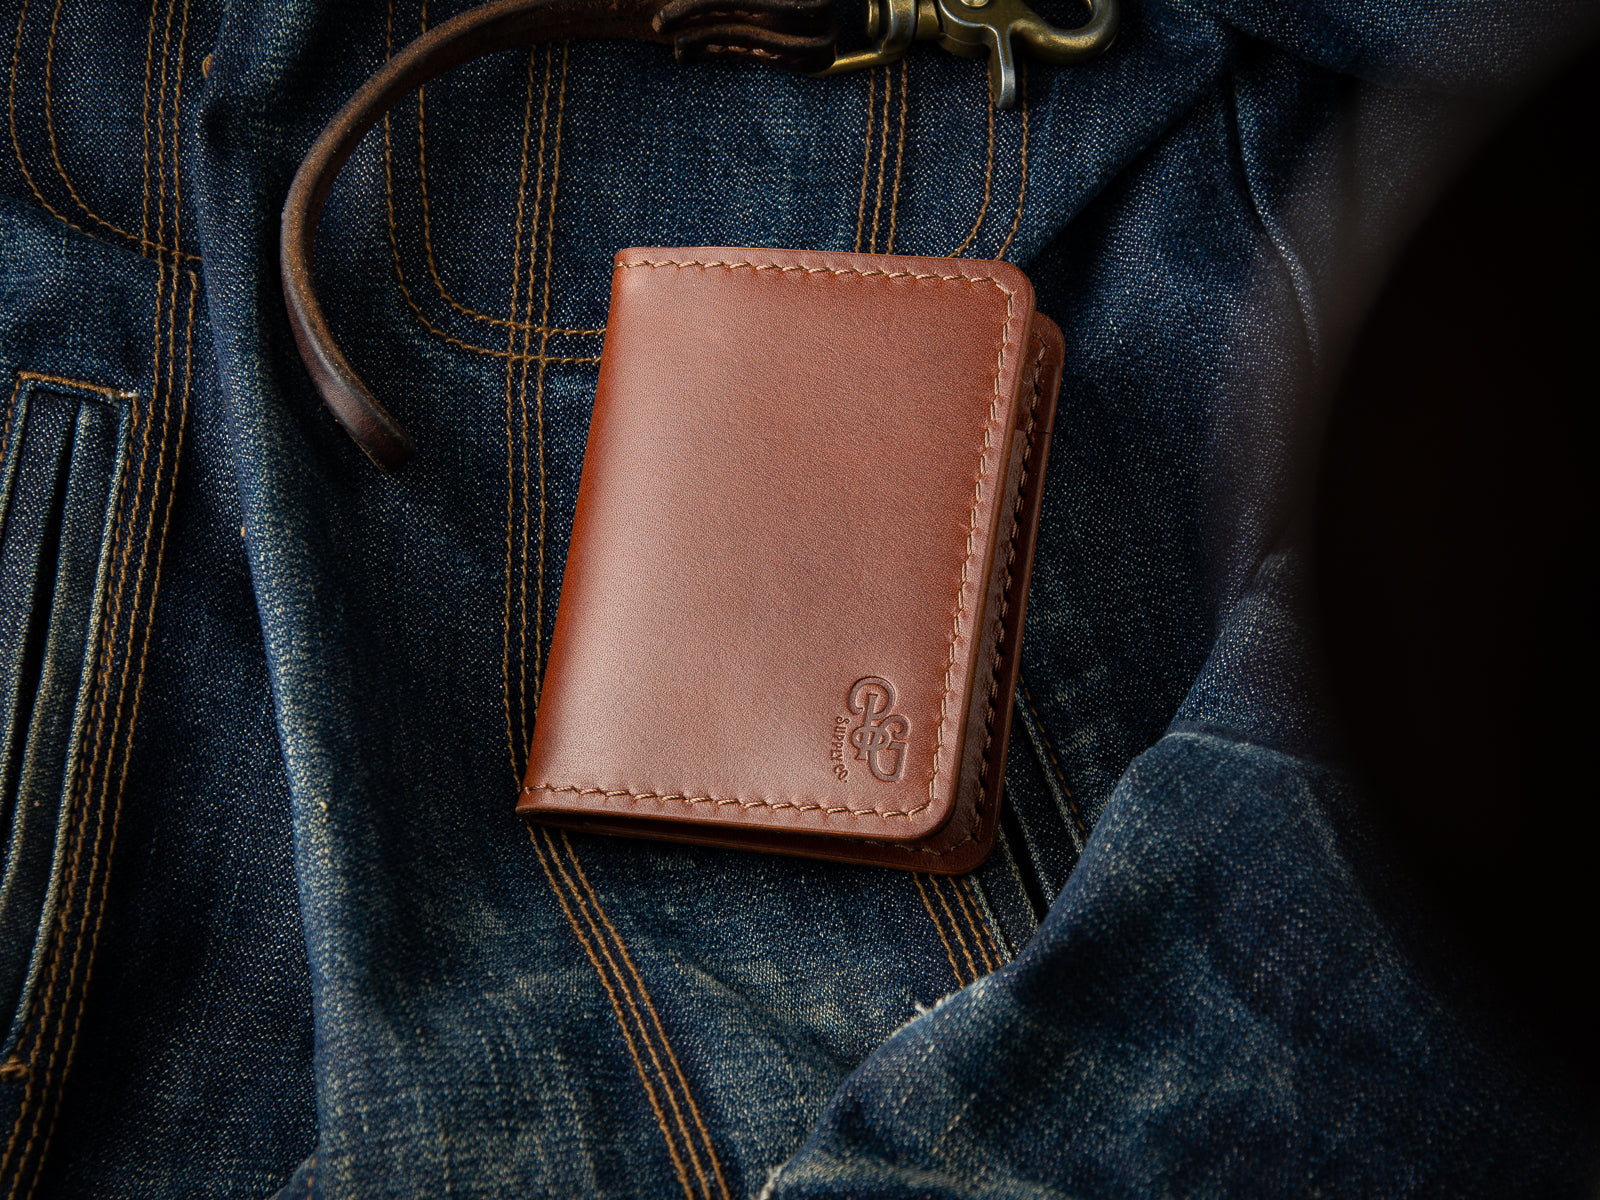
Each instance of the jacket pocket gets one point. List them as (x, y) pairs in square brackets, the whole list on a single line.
[(63, 453)]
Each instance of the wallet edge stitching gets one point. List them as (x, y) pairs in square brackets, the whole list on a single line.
[(977, 503)]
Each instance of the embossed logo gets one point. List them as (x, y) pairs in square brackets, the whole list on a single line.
[(880, 739)]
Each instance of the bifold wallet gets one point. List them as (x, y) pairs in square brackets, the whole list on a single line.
[(800, 556)]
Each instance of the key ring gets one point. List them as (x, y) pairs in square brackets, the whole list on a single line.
[(973, 28)]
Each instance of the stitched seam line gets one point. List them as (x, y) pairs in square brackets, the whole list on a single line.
[(109, 637), (616, 1009), (988, 183), (511, 336), (1055, 762), (961, 593), (50, 128), (883, 158), (899, 153), (11, 408), (633, 1008), (427, 219), (866, 159), (73, 994), (1022, 186), (80, 385), (138, 692), (1011, 559), (961, 938), (27, 175), (1005, 600), (970, 912), (60, 381), (536, 240), (983, 922), (538, 401), (655, 1017), (949, 951), (411, 301)]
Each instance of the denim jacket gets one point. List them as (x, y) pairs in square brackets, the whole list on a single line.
[(268, 923)]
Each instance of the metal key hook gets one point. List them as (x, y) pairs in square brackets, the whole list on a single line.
[(974, 28)]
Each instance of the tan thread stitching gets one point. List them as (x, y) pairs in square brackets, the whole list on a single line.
[(949, 951), (35, 1024), (1011, 556), (394, 239), (411, 301), (1055, 763), (511, 333), (1022, 187), (870, 273), (722, 802), (16, 144), (616, 1008), (112, 628), (1005, 601), (883, 158), (988, 185), (633, 1009), (55, 151), (427, 207), (138, 688), (50, 127), (97, 905), (149, 61), (522, 392), (535, 245), (866, 160), (899, 153), (63, 923), (544, 318), (11, 408), (63, 381), (980, 922), (971, 547), (969, 912), (655, 1017), (955, 925), (966, 892), (59, 381), (110, 636)]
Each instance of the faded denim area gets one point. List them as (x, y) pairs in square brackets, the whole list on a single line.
[(268, 920)]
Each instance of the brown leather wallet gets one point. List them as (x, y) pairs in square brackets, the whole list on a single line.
[(799, 562)]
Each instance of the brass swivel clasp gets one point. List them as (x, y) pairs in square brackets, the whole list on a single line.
[(973, 28)]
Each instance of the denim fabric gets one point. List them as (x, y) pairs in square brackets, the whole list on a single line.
[(288, 933)]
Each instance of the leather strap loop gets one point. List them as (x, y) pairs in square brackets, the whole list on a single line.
[(791, 33)]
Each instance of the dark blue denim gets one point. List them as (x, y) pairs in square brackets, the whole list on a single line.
[(269, 924)]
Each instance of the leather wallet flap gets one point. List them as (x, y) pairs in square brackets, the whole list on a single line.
[(786, 529)]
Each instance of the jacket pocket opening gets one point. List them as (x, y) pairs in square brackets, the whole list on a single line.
[(56, 491)]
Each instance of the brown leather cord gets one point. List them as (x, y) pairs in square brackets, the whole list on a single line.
[(798, 34)]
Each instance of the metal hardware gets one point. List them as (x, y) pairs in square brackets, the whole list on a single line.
[(975, 28)]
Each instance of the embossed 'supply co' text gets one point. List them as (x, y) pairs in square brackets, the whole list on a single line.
[(841, 730)]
